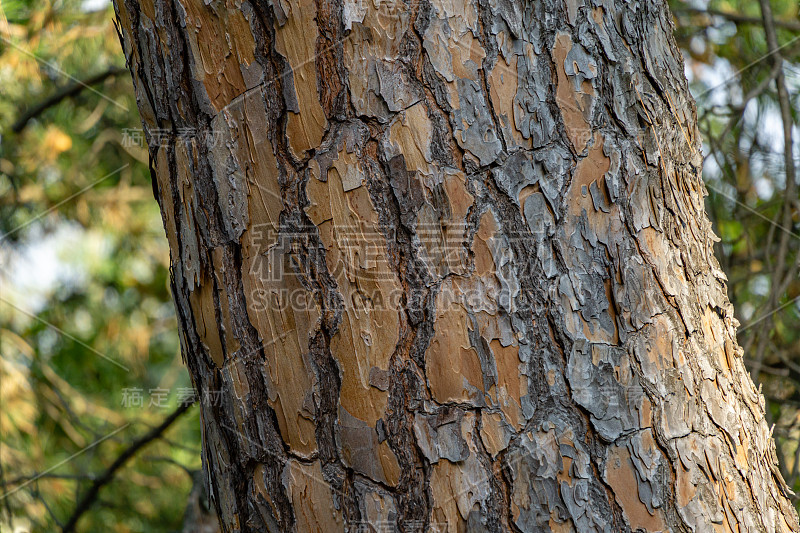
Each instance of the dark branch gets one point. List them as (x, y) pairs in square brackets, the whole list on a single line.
[(66, 92), (91, 495), (739, 19)]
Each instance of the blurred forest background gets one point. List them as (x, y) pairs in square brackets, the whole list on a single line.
[(95, 424)]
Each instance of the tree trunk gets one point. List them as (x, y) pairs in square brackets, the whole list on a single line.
[(444, 266)]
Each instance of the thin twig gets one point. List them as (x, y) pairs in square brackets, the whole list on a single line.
[(106, 477), (68, 91), (786, 221)]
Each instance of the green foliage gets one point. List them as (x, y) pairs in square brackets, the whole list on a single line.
[(85, 292)]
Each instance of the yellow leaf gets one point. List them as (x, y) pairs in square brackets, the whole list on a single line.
[(56, 142)]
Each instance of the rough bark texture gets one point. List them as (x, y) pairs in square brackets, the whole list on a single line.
[(444, 265)]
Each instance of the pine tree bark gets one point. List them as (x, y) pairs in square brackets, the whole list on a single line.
[(445, 266)]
